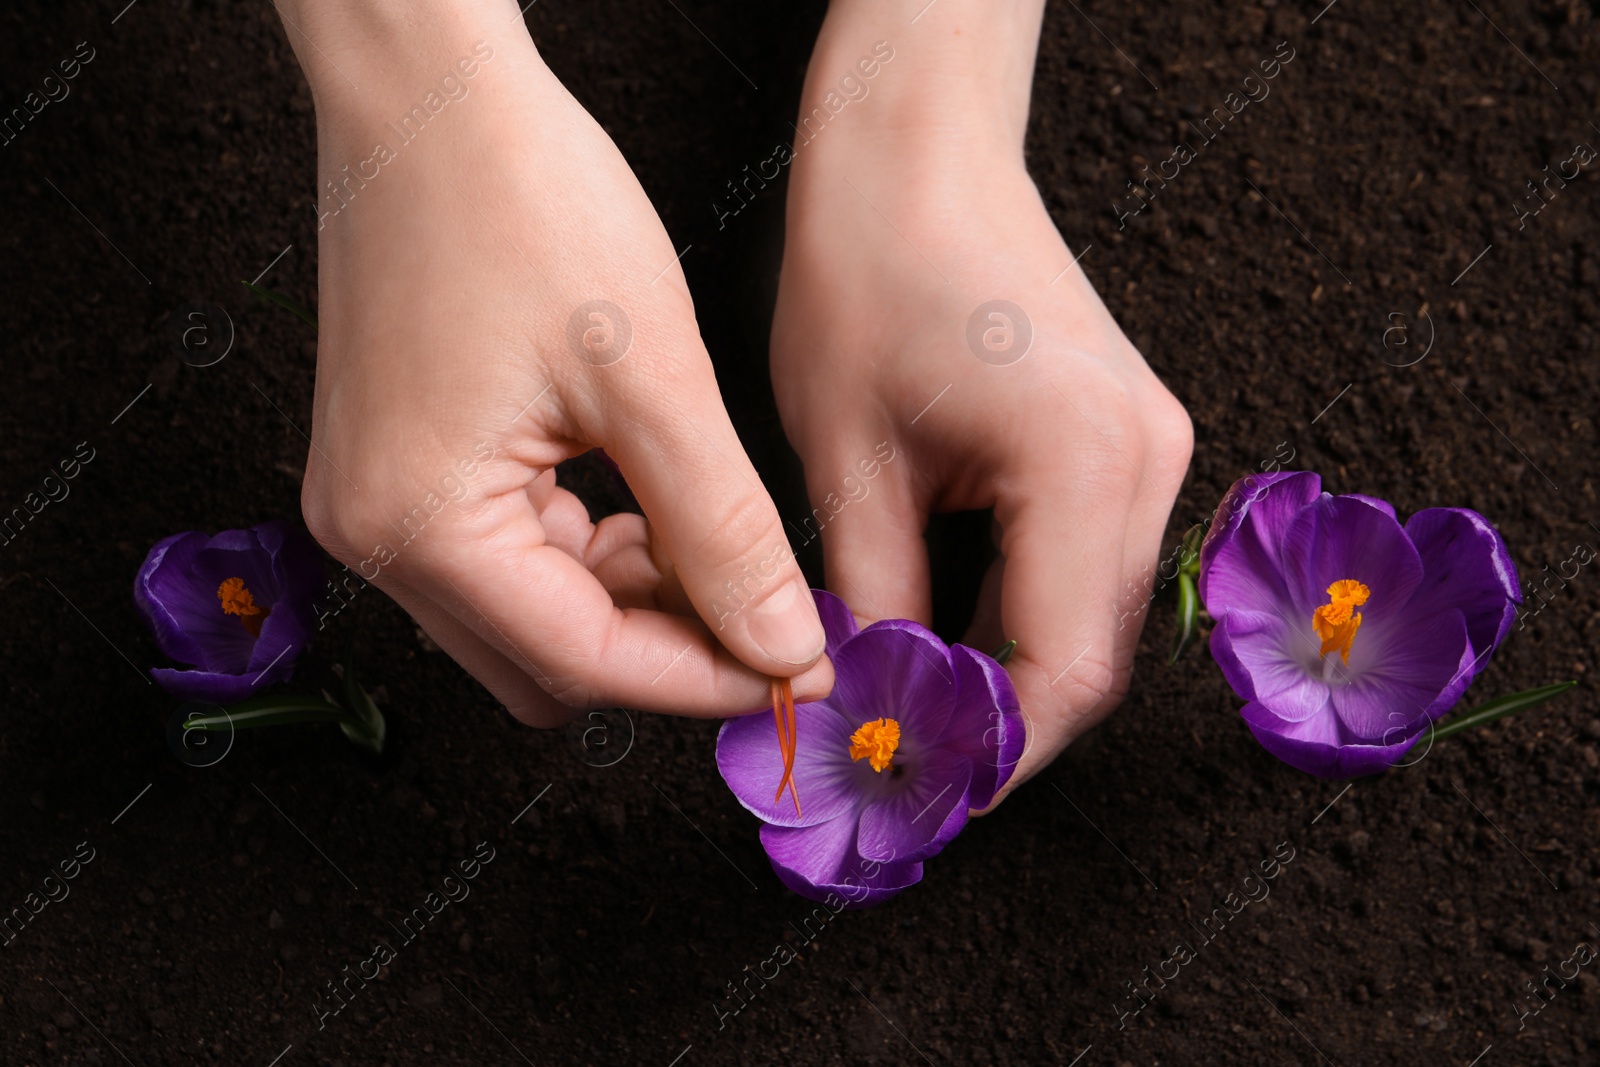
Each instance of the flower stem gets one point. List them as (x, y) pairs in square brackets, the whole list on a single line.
[(1500, 707), (273, 710)]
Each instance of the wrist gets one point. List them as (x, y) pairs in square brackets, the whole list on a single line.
[(366, 52), (954, 83)]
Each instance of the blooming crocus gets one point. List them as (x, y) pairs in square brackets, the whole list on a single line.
[(1347, 633), (237, 607), (885, 767)]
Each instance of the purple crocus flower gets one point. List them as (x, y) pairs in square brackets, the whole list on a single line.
[(1347, 633), (237, 606), (886, 766)]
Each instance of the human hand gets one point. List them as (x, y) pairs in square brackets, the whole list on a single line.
[(909, 210), (464, 246)]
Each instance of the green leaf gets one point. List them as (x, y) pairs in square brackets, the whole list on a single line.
[(1189, 561), (1003, 653), (272, 296), (1188, 617), (1500, 707), (369, 729), (274, 709)]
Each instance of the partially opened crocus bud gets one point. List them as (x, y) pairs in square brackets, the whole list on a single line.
[(237, 607), (1347, 633)]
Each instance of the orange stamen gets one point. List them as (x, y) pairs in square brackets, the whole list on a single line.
[(237, 600), (1337, 621)]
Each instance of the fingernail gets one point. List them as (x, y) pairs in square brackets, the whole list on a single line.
[(786, 626)]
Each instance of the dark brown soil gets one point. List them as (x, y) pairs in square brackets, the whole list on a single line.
[(1259, 283)]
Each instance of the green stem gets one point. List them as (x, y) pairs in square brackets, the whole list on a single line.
[(273, 296), (1500, 707), (272, 711), (1188, 617)]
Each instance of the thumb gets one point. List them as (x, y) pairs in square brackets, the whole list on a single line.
[(720, 529)]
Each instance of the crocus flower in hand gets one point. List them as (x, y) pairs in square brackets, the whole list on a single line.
[(1347, 633), (885, 767), (237, 607)]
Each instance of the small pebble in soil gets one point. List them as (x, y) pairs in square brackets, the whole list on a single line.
[(274, 920)]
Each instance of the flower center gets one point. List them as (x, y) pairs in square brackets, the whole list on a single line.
[(876, 740), (237, 600), (1337, 621)]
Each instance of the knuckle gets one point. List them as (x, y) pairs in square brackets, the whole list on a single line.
[(574, 693), (1101, 684), (330, 517), (745, 531), (377, 523), (1172, 435)]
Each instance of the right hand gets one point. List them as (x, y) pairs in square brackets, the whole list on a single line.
[(450, 287)]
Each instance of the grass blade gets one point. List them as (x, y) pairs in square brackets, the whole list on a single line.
[(1500, 707)]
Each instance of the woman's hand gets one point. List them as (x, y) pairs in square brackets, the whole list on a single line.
[(910, 216), (497, 295)]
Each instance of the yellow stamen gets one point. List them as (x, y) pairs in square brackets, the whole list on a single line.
[(237, 600), (876, 740), (1337, 621)]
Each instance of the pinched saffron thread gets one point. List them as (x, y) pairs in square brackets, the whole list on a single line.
[(784, 716)]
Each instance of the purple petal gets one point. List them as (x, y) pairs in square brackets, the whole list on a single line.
[(284, 635), (1241, 564), (237, 554), (838, 624), (210, 687), (986, 725), (296, 563), (1265, 660), (1467, 567), (917, 820), (1314, 746), (1335, 538), (1412, 669), (819, 861), (899, 670), (1372, 501), (184, 611), (830, 784), (151, 595)]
